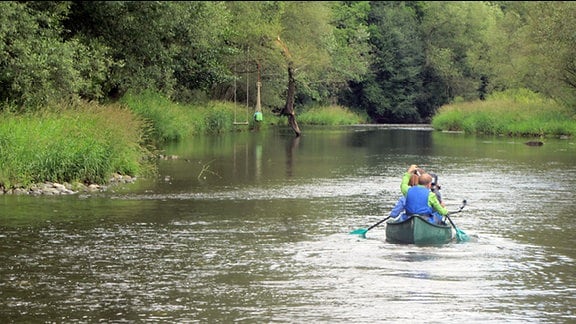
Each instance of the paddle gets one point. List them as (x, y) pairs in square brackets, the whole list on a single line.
[(362, 231), (461, 236)]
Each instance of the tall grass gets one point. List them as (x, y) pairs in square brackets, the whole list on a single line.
[(166, 120), (84, 143), (512, 113), (170, 121)]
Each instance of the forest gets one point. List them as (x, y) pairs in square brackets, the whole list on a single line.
[(396, 61)]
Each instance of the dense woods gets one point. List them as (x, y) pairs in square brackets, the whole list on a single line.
[(396, 61)]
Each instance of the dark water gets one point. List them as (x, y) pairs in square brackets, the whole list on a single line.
[(253, 227)]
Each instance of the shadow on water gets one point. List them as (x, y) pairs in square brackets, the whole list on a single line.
[(263, 236)]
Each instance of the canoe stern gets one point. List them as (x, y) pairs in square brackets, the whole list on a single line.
[(416, 230)]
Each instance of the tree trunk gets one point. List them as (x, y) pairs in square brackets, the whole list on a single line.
[(289, 107)]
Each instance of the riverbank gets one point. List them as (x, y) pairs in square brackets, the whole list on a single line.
[(55, 189), (85, 146), (519, 113)]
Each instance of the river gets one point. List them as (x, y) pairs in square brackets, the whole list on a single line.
[(253, 227)]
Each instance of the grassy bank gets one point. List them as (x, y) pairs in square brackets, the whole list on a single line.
[(88, 143), (519, 113), (171, 121)]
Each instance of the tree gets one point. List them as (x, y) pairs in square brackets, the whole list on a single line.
[(553, 50), (456, 42), (539, 51), (322, 46), (39, 64), (173, 47), (288, 109), (256, 25), (390, 90), (303, 41), (350, 50)]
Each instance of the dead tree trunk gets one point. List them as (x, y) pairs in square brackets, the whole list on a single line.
[(289, 107)]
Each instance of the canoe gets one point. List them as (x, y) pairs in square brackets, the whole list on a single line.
[(416, 230)]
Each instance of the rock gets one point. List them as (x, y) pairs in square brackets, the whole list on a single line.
[(534, 143), (58, 186), (93, 187)]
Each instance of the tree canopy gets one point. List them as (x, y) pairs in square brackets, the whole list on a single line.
[(397, 61)]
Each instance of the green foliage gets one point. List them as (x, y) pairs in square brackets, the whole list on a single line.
[(456, 34), (389, 94), (164, 118), (332, 115), (536, 48), (396, 61), (70, 143), (351, 51), (163, 45), (512, 113), (37, 65)]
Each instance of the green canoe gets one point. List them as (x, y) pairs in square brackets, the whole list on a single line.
[(416, 230)]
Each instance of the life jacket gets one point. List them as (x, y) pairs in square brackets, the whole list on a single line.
[(417, 201)]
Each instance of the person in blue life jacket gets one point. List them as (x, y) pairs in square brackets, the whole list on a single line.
[(420, 199), (398, 212)]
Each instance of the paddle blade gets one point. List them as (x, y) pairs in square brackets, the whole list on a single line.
[(461, 236), (360, 231)]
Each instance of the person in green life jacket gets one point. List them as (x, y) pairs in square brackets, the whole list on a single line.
[(420, 199), (398, 213)]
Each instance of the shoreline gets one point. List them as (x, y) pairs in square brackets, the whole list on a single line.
[(49, 188)]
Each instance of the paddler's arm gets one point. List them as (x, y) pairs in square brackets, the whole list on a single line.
[(406, 178), (435, 204)]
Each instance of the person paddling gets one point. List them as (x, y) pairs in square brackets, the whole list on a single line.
[(398, 212), (420, 199)]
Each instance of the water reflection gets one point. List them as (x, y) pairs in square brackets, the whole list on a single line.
[(290, 149), (267, 239)]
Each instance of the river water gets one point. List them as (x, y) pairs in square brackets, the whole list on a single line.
[(253, 227)]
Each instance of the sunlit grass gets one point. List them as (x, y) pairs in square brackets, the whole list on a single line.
[(81, 143), (514, 113), (170, 121)]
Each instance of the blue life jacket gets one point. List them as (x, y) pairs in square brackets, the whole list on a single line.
[(417, 201)]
